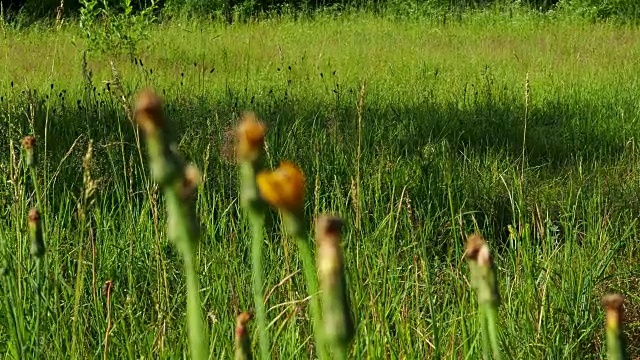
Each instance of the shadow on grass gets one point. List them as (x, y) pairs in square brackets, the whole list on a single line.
[(557, 133), (424, 145)]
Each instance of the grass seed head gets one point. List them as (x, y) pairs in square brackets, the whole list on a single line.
[(90, 184)]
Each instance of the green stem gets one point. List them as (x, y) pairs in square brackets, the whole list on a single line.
[(38, 306), (257, 226), (32, 171), (311, 278), (340, 352), (616, 348), (184, 231), (39, 202), (484, 332), (194, 319), (491, 313), (40, 206), (179, 183), (76, 305), (252, 203)]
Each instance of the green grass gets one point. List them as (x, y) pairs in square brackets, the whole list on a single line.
[(441, 145)]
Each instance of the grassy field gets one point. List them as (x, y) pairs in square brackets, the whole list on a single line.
[(444, 128)]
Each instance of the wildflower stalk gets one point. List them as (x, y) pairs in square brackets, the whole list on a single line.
[(483, 280), (284, 189), (616, 343), (35, 233), (484, 331), (178, 182), (35, 227), (34, 219), (257, 226), (195, 326), (309, 269), (28, 146), (250, 136), (338, 323), (243, 343)]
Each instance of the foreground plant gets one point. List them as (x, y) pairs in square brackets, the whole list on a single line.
[(616, 343), (34, 220), (336, 314), (178, 182), (250, 137), (36, 235), (283, 188), (37, 251), (31, 159), (483, 281), (243, 342)]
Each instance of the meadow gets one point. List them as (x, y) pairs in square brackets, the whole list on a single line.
[(417, 132)]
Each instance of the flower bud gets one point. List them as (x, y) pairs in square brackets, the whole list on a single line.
[(616, 342), (338, 323), (243, 342), (29, 144), (149, 114), (35, 233), (483, 277), (250, 138)]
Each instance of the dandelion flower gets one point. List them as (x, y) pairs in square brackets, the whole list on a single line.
[(283, 188)]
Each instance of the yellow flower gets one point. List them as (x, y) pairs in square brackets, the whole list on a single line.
[(283, 187), (250, 134)]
